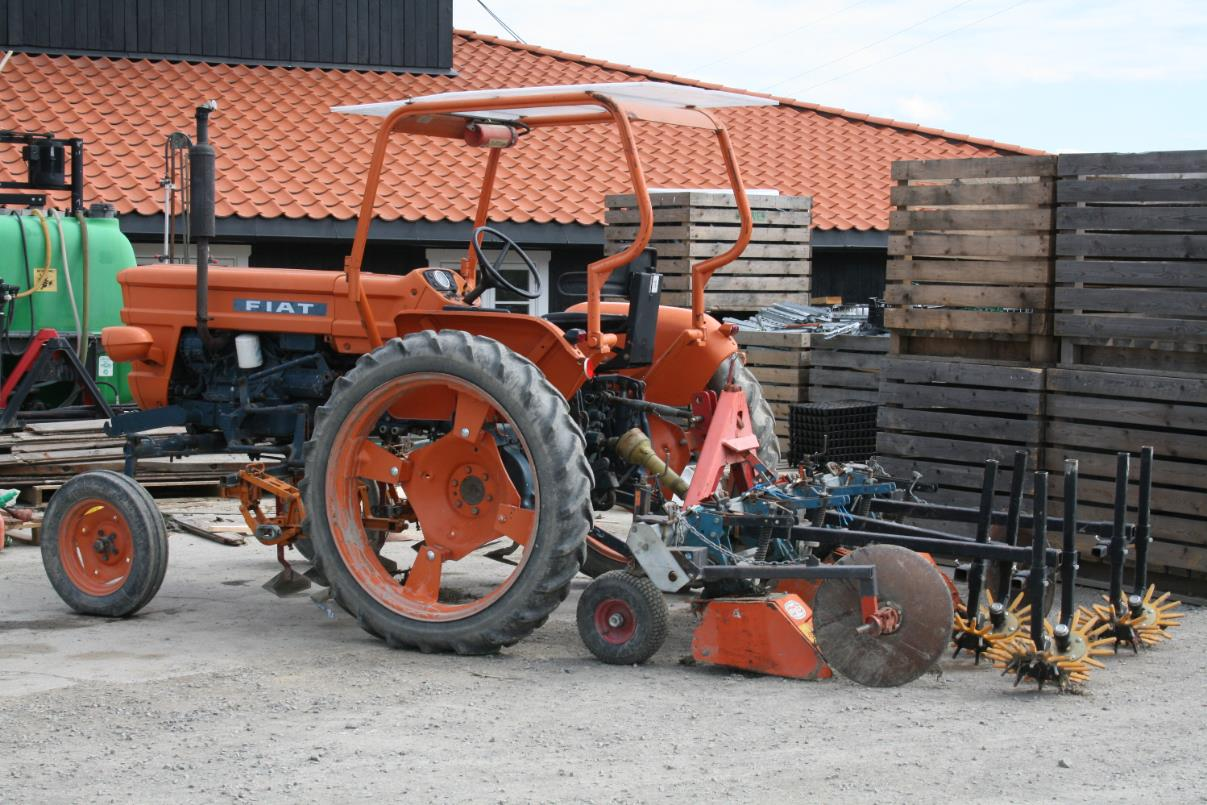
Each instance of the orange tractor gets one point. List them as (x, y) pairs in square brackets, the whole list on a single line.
[(374, 405)]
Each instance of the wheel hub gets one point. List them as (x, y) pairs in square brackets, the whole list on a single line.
[(96, 548), (615, 621), (472, 489), (105, 545)]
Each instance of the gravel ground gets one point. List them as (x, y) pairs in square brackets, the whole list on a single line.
[(219, 691)]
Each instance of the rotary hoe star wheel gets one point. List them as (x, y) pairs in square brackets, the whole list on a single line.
[(1143, 621), (996, 624), (1069, 655)]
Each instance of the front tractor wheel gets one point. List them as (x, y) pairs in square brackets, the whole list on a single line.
[(479, 452), (104, 544)]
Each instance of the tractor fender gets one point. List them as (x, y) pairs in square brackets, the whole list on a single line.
[(533, 338), (682, 366)]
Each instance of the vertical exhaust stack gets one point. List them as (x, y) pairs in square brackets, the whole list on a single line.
[(201, 208)]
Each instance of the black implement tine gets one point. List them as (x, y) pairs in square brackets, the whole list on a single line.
[(1144, 521), (1118, 546), (1068, 556), (1037, 576)]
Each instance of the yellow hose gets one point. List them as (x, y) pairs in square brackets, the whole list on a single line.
[(46, 251)]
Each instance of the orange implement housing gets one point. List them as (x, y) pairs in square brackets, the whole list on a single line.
[(768, 635)]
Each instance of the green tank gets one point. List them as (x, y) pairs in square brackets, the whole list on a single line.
[(20, 262)]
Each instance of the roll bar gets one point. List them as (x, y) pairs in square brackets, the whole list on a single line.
[(448, 118)]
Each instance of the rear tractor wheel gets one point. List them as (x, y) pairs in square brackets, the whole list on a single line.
[(492, 473), (104, 544)]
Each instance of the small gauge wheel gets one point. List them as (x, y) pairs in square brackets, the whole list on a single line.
[(623, 618)]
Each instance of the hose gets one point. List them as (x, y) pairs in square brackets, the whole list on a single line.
[(45, 265), (75, 311), (29, 279), (87, 269)]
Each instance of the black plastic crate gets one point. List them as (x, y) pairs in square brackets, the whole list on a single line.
[(843, 430)]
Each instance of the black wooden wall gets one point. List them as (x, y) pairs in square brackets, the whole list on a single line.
[(399, 35)]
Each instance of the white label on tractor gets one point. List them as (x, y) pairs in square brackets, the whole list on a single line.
[(796, 610), (104, 366)]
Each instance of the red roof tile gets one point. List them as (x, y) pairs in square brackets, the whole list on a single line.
[(281, 152)]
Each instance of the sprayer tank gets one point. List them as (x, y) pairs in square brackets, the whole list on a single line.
[(109, 252)]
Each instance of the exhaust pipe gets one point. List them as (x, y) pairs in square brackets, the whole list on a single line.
[(201, 208)]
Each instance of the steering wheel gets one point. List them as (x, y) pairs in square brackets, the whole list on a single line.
[(492, 268)]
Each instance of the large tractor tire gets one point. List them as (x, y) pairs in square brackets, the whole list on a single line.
[(104, 544), (761, 417), (468, 490)]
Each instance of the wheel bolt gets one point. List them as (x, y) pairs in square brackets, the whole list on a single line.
[(616, 620)]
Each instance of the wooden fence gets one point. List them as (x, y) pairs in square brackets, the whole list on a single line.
[(1107, 354), (1131, 270), (943, 418), (846, 367), (970, 258)]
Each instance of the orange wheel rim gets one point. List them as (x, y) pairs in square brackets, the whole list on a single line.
[(459, 488), (96, 549)]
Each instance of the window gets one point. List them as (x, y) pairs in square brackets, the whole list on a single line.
[(514, 271), (221, 254)]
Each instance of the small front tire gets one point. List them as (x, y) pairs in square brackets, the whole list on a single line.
[(622, 618), (104, 544)]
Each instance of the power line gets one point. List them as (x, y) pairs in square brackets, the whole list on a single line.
[(506, 27), (763, 42), (919, 45), (856, 52)]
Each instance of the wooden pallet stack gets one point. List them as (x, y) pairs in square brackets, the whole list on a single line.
[(692, 225), (1108, 354), (944, 418), (42, 456), (1131, 281), (846, 367), (970, 259), (780, 362), (969, 296), (1093, 413), (1131, 315)]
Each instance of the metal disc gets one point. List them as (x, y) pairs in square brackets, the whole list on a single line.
[(905, 580)]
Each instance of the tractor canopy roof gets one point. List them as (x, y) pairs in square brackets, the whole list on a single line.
[(563, 104)]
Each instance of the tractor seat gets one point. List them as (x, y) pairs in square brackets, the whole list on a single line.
[(571, 320)]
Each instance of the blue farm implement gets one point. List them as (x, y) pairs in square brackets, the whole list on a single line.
[(815, 572)]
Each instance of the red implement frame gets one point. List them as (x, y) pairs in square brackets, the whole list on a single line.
[(26, 361), (440, 118)]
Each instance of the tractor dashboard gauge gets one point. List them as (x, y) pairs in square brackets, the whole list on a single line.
[(441, 281)]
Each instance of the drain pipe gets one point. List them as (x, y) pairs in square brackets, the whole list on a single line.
[(201, 209)]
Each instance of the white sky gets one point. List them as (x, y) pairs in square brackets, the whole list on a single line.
[(1061, 75)]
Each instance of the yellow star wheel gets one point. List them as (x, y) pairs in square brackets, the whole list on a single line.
[(1067, 660), (995, 624), (1145, 620)]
